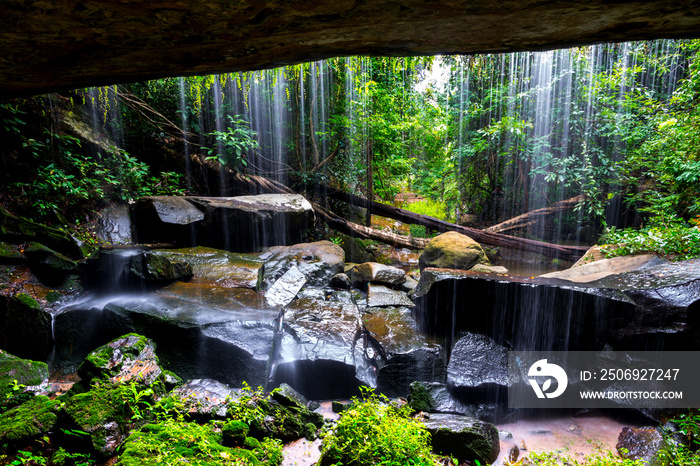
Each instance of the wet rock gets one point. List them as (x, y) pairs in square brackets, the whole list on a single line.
[(158, 270), (10, 254), (219, 267), (285, 289), (31, 420), (434, 397), (381, 296), (49, 266), (205, 399), (101, 415), (282, 421), (128, 358), (318, 261), (642, 443), (477, 361), (195, 339), (403, 353), (320, 350), (522, 312), (20, 230), (34, 375), (452, 250), (409, 285), (340, 281), (27, 328), (361, 274), (165, 219), (250, 223), (287, 396), (114, 224), (466, 438)]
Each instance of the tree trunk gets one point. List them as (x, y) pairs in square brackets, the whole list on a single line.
[(521, 222)]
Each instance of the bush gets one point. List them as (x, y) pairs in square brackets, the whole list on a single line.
[(676, 241), (375, 432), (428, 207)]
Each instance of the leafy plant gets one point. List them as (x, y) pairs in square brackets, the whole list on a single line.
[(675, 240), (374, 431), (233, 144)]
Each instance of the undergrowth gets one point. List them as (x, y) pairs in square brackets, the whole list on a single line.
[(676, 240)]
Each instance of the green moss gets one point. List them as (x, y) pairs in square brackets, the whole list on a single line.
[(251, 443), (30, 420), (14, 370), (10, 255), (102, 362), (170, 442), (420, 399), (234, 433)]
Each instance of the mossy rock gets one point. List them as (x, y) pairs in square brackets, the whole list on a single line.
[(156, 269), (281, 422), (28, 328), (51, 267), (130, 357), (20, 230), (170, 442), (21, 371), (10, 254), (452, 250), (21, 424), (419, 399), (102, 414), (234, 433)]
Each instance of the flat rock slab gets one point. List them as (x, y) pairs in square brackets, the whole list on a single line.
[(285, 289), (602, 268), (361, 274), (240, 224), (381, 296), (220, 267), (318, 261)]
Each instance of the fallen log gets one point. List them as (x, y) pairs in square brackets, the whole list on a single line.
[(528, 219), (571, 253)]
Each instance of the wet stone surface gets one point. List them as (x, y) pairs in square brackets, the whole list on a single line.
[(381, 296)]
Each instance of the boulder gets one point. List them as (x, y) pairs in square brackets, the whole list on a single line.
[(403, 354), (101, 415), (219, 267), (533, 314), (27, 328), (340, 281), (120, 270), (452, 250), (205, 399), (642, 443), (49, 266), (463, 437), (362, 274), (381, 296), (113, 224), (20, 230), (497, 269), (320, 350), (240, 224), (10, 254), (34, 375), (318, 261), (287, 396), (31, 420), (166, 219), (285, 289), (476, 361), (128, 358), (434, 397)]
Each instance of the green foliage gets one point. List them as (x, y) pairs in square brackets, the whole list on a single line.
[(596, 459), (428, 207), (233, 144), (684, 454), (675, 240), (375, 432)]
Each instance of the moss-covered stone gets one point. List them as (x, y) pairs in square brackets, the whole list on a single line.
[(278, 421), (14, 370), (28, 328), (419, 398), (30, 420), (171, 442), (234, 433), (101, 413), (51, 267), (130, 357), (19, 230), (158, 269), (452, 250), (11, 255)]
